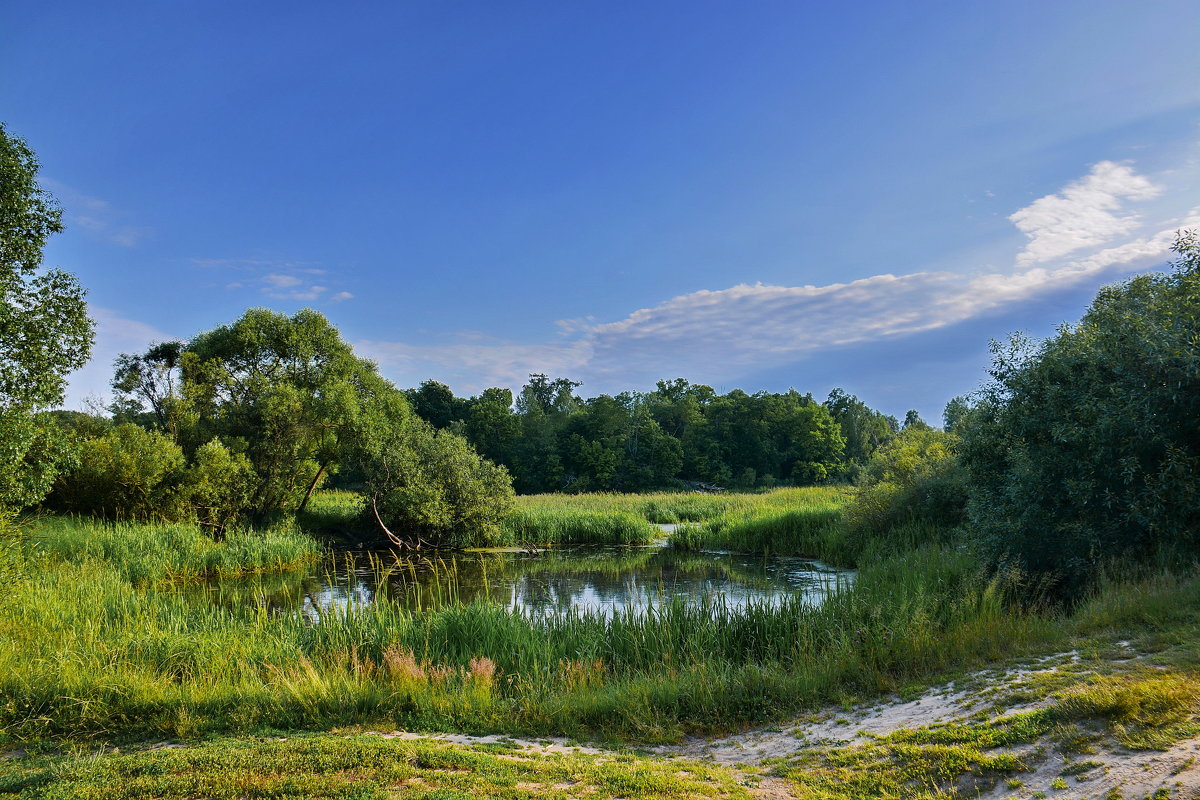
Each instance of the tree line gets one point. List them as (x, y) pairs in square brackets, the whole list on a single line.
[(550, 439)]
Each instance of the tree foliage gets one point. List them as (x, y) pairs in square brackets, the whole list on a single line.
[(1086, 447), (264, 409), (45, 332), (550, 439)]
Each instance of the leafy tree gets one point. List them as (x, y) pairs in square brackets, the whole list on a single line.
[(45, 332), (146, 386), (864, 429), (436, 404), (429, 486), (218, 485), (956, 414), (284, 391), (491, 425), (1086, 447)]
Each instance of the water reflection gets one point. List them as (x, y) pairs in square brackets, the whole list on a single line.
[(594, 579)]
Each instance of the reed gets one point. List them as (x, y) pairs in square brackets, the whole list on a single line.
[(153, 552), (544, 526), (85, 650), (95, 640)]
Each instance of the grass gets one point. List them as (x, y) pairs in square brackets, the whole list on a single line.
[(541, 525), (97, 641), (362, 768), (85, 651), (149, 553), (332, 511), (781, 521)]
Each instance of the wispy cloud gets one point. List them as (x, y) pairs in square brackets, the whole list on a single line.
[(718, 335), (98, 217), (278, 279), (1078, 236)]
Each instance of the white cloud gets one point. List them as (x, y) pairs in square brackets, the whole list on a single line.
[(1083, 214), (714, 336), (115, 334), (472, 366), (281, 280)]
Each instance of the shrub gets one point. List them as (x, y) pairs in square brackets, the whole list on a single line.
[(218, 485), (1085, 448), (129, 473), (431, 485), (915, 477)]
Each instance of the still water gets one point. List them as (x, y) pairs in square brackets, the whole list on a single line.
[(593, 579)]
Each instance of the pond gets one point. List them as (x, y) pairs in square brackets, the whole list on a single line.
[(592, 579)]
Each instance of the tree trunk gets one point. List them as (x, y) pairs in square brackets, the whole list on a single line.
[(396, 540), (311, 488)]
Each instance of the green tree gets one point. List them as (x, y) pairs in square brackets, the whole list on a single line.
[(1086, 447), (426, 486), (436, 404), (916, 476), (45, 332), (285, 392), (864, 429), (491, 425), (147, 389)]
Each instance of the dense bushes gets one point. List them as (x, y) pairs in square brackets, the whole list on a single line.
[(915, 477), (1087, 447), (136, 474), (245, 422)]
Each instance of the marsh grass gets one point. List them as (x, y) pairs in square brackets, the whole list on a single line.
[(806, 522), (92, 646), (363, 768), (146, 553), (331, 511), (547, 525), (83, 650)]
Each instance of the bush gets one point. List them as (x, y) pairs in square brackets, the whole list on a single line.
[(1086, 447), (915, 477), (218, 485), (128, 473), (431, 485)]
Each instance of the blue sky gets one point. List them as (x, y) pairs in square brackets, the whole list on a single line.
[(759, 195)]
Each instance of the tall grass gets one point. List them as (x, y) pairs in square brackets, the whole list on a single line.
[(94, 641), (85, 651), (539, 526), (151, 552)]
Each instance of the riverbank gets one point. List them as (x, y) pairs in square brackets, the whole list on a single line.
[(1109, 718), (101, 647)]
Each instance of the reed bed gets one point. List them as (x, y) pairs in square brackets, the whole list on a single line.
[(95, 640), (545, 526), (154, 552), (85, 651)]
